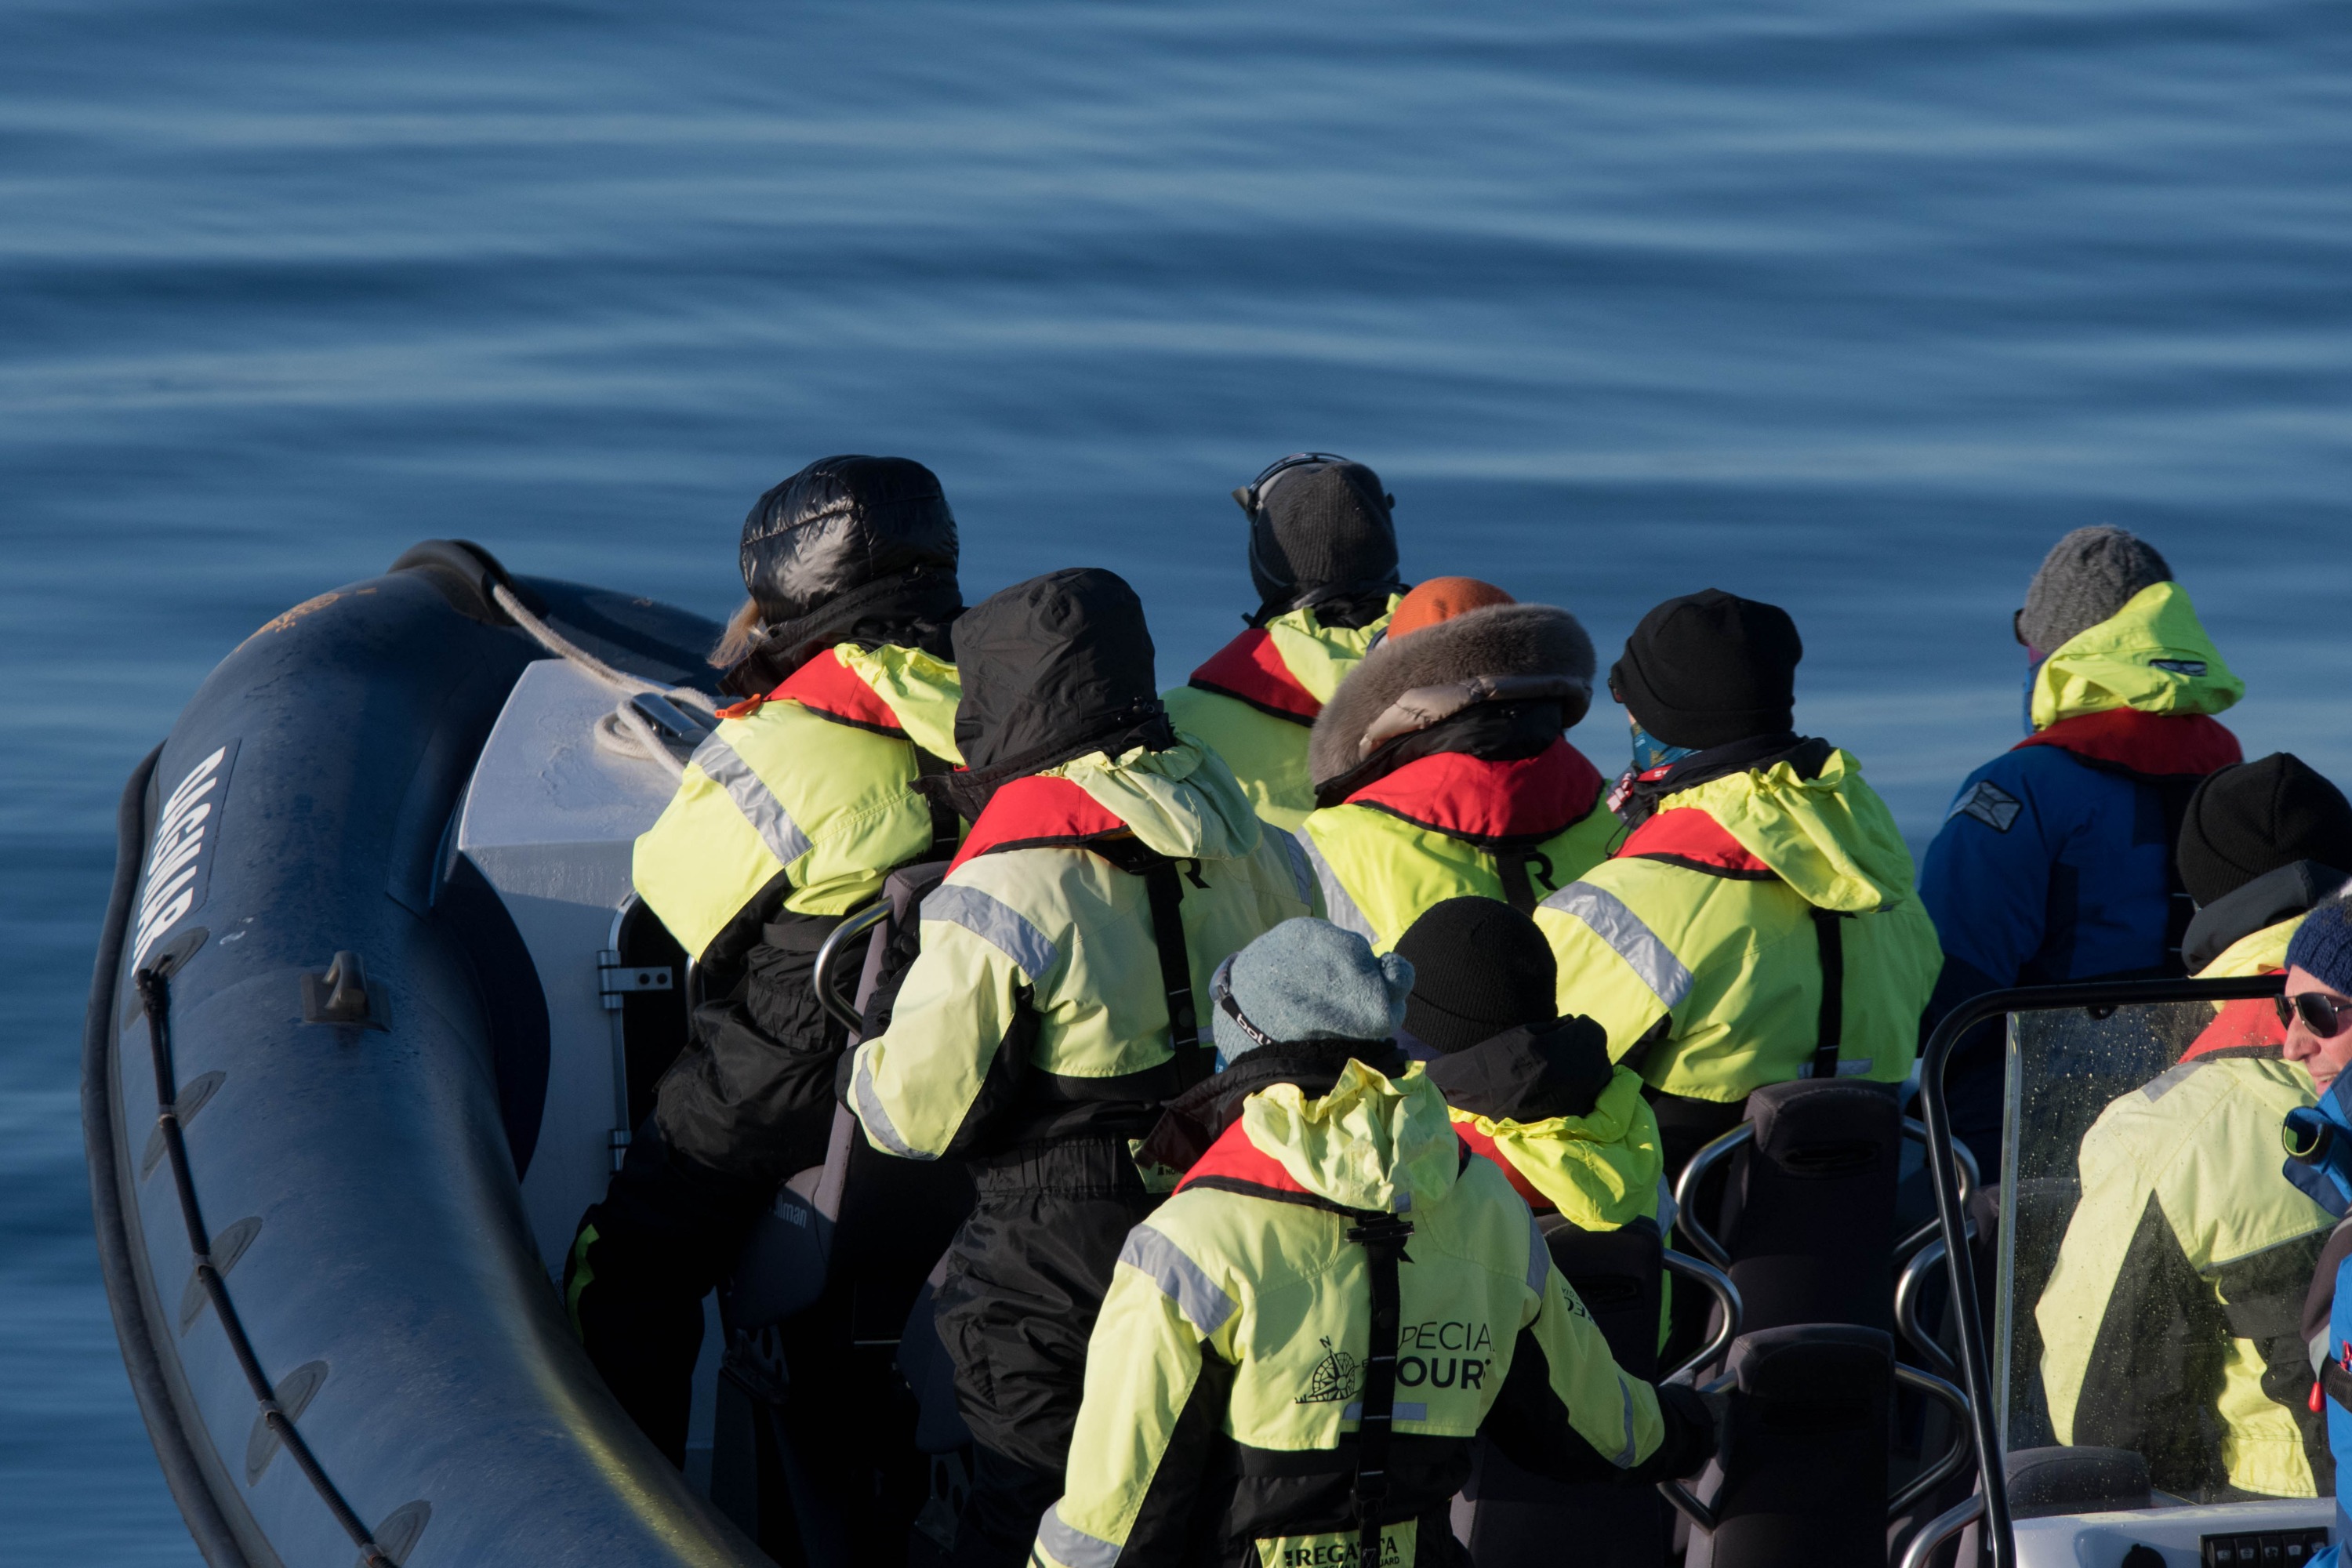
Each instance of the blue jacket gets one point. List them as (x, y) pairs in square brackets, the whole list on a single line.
[(2055, 861)]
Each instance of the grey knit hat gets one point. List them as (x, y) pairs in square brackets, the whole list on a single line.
[(1318, 524), (2086, 577), (1306, 980)]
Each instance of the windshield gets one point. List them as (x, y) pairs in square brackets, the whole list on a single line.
[(2152, 1258)]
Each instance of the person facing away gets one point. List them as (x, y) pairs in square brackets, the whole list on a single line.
[(788, 818), (1530, 1090), (2055, 862), (1323, 559), (1050, 1011), (1299, 1348), (1440, 768), (2170, 1324), (1758, 923)]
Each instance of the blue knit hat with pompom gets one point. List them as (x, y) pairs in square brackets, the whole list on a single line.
[(2322, 947)]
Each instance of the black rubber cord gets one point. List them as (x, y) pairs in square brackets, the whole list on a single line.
[(155, 996)]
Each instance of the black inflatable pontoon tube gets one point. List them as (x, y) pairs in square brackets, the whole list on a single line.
[(1976, 1369), (155, 996)]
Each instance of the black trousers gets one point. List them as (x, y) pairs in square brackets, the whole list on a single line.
[(641, 1263), (1025, 1279)]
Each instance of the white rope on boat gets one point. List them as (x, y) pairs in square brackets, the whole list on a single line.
[(626, 729)]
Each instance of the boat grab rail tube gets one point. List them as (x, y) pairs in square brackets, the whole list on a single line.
[(2099, 1001), (155, 996), (630, 721), (1704, 1241), (841, 1009), (1707, 1277)]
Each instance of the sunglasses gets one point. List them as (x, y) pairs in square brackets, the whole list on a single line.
[(2325, 1016)]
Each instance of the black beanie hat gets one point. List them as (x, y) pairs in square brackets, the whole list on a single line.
[(1319, 525), (1479, 967), (1709, 668), (2252, 818)]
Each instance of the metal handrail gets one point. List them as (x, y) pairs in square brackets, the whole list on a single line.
[(1703, 1241), (1907, 1286), (1687, 1224), (844, 1011), (1944, 1469), (1940, 1529), (1942, 1168), (1970, 1180), (1682, 1265)]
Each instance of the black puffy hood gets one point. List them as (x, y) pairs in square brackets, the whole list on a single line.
[(842, 524), (1051, 669), (849, 547)]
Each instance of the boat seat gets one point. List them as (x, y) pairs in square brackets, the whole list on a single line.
[(1800, 1481), (1507, 1515), (1809, 1211), (817, 1432), (2046, 1482)]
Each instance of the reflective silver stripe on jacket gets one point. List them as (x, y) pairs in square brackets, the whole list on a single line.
[(873, 1118), (995, 922), (1624, 1459), (1184, 1282), (1338, 907), (1622, 929), (1539, 1256), (1400, 1410), (758, 803), (1857, 1066), (1302, 872), (1073, 1546)]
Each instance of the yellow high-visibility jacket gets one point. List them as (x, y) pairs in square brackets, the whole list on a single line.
[(1255, 701), (1037, 1000), (1239, 1321), (1700, 943)]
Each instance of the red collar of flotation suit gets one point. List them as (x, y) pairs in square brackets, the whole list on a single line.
[(1478, 1143), (1686, 836), (2160, 746), (1250, 669), (1485, 801), (1037, 810), (1234, 1165), (2246, 1027), (827, 686)]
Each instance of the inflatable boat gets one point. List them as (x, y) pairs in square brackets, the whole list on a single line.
[(375, 1011), (397, 1025)]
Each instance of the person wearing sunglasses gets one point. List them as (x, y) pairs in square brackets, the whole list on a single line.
[(2055, 861), (1323, 559), (2185, 1216)]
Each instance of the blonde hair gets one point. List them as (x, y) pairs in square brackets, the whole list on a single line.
[(737, 640)]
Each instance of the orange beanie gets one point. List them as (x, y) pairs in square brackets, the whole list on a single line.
[(1441, 599)]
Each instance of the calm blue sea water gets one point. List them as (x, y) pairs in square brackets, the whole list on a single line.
[(1850, 306)]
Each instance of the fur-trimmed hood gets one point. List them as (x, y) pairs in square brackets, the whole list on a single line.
[(1502, 654)]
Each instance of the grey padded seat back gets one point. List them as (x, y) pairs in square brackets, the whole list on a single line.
[(1810, 1214), (868, 1222), (1802, 1480)]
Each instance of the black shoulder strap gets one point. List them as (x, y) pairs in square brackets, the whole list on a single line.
[(1383, 1238), (1518, 891), (946, 828), (1830, 927), (1164, 886)]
